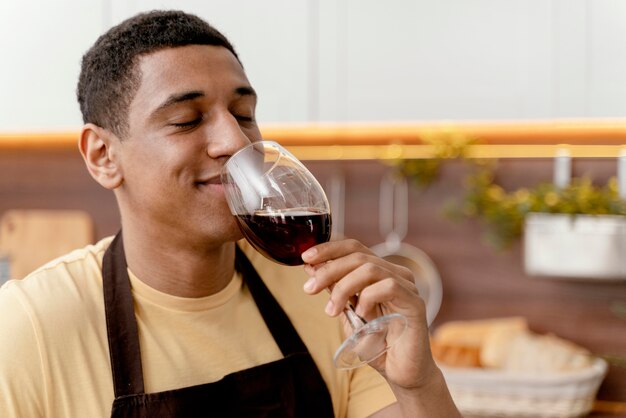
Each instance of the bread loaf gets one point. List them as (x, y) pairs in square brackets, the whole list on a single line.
[(506, 344), (473, 333), (455, 355), (459, 343), (532, 353)]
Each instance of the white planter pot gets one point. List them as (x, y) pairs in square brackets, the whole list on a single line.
[(576, 246)]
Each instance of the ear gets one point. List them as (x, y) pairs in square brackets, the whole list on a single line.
[(100, 150)]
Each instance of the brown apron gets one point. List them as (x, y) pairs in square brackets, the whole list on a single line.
[(290, 387)]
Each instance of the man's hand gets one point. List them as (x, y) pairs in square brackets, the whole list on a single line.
[(379, 287)]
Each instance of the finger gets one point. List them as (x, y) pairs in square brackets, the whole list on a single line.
[(391, 295), (352, 282), (332, 250), (332, 270)]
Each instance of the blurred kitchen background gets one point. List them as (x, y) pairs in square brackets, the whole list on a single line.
[(375, 96)]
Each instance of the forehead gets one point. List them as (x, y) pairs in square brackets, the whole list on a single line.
[(211, 69)]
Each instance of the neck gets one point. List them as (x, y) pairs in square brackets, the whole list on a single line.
[(176, 267)]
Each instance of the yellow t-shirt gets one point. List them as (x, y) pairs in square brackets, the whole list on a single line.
[(54, 356)]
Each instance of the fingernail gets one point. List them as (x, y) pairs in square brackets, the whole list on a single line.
[(309, 253), (330, 307), (309, 285)]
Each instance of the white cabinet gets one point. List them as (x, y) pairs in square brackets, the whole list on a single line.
[(350, 60), (41, 43)]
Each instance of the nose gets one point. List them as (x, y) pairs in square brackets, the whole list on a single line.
[(226, 137)]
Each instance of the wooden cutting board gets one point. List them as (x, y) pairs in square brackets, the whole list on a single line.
[(31, 238)]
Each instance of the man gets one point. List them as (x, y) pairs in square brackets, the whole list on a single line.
[(172, 318)]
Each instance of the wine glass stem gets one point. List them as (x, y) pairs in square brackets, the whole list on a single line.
[(356, 321)]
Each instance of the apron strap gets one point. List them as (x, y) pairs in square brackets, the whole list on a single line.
[(122, 333), (275, 318)]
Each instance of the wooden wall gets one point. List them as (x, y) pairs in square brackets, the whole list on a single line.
[(478, 281)]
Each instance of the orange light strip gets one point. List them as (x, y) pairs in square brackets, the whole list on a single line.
[(388, 141)]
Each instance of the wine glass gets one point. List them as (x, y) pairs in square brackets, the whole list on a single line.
[(282, 211)]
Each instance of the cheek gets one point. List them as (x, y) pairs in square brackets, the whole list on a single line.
[(149, 180), (157, 164)]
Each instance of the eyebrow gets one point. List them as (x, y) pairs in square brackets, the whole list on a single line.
[(177, 98), (245, 91), (194, 94)]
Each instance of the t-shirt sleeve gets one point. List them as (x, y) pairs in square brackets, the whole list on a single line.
[(22, 385), (369, 393)]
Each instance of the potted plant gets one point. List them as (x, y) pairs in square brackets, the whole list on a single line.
[(571, 228)]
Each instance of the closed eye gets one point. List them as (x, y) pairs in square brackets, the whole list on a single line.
[(188, 124), (242, 118)]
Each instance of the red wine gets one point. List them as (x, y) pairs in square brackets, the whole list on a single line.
[(284, 235)]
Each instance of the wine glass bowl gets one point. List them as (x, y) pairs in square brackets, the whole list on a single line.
[(282, 211), (279, 205)]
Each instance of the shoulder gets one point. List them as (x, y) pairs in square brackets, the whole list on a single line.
[(60, 289), (77, 266), (77, 260), (55, 310)]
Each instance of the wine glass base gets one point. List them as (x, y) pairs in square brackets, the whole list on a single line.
[(370, 341)]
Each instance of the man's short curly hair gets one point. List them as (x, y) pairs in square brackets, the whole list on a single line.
[(110, 77)]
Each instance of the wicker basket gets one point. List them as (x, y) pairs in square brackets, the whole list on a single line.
[(495, 393)]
